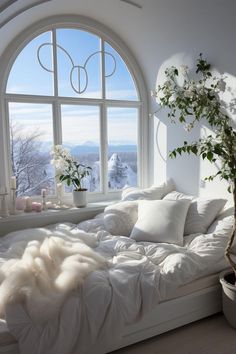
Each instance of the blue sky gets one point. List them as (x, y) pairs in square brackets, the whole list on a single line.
[(79, 123)]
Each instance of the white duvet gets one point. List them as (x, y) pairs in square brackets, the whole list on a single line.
[(99, 284)]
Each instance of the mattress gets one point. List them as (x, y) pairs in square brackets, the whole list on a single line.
[(197, 285), (6, 338)]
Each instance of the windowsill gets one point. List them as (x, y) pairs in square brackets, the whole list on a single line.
[(52, 216)]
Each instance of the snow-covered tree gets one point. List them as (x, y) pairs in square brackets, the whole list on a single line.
[(119, 173), (29, 163)]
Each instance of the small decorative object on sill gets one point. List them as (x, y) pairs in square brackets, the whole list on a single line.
[(20, 204), (71, 172), (28, 204), (50, 205), (13, 182), (36, 206), (4, 213), (13, 210), (44, 204)]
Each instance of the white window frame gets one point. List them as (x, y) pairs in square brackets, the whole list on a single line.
[(106, 35)]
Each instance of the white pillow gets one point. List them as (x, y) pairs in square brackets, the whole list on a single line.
[(152, 193), (201, 213), (161, 221), (174, 195), (224, 222), (120, 218)]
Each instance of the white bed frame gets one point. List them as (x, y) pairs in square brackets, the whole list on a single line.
[(172, 314), (165, 317)]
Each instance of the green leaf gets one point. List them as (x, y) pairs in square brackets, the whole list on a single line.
[(209, 155), (194, 149)]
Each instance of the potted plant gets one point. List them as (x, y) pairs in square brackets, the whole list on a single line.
[(189, 103), (71, 172)]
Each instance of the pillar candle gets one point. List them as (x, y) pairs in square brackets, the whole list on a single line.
[(13, 182), (28, 204), (20, 203), (37, 206)]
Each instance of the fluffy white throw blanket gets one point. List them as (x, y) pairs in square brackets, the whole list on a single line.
[(43, 266)]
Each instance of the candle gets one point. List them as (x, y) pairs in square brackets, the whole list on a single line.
[(28, 204), (49, 205), (20, 203), (37, 206), (13, 182), (43, 192)]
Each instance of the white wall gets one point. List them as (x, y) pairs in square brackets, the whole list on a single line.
[(162, 32)]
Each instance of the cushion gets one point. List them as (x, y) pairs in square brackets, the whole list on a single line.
[(120, 218), (201, 213), (174, 195), (161, 221), (152, 193), (224, 222)]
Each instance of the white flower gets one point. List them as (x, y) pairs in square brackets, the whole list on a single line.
[(189, 93), (170, 71), (183, 69), (167, 83), (221, 85), (188, 127)]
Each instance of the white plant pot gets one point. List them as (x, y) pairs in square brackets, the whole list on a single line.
[(229, 296), (80, 198)]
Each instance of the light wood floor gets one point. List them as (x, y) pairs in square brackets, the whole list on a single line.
[(212, 335)]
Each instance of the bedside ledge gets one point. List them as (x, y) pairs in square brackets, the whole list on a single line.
[(51, 216)]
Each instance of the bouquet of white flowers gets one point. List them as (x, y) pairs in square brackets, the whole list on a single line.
[(68, 169)]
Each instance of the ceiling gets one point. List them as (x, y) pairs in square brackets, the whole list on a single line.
[(13, 8), (5, 3)]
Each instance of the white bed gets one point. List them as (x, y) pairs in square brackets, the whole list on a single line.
[(188, 303), (149, 288)]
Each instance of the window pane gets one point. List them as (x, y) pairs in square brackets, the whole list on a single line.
[(27, 76), (78, 77), (80, 134), (122, 147), (120, 85), (31, 139)]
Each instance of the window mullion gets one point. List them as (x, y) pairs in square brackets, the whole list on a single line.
[(57, 130), (6, 168), (103, 148), (103, 127)]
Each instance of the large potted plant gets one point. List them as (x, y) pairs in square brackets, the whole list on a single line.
[(190, 102), (71, 172)]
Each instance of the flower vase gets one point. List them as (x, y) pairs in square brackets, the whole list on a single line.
[(80, 198)]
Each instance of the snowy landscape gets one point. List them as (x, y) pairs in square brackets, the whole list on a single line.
[(32, 168)]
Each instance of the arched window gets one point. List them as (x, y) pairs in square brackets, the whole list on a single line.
[(70, 86)]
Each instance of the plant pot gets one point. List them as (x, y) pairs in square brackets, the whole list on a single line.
[(227, 279), (80, 198)]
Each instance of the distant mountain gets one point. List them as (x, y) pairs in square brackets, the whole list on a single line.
[(89, 147), (90, 143), (86, 149)]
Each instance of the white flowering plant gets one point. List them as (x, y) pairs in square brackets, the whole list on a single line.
[(68, 169), (193, 101)]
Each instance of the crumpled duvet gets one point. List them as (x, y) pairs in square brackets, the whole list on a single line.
[(137, 276)]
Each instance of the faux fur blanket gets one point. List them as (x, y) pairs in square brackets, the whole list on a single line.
[(41, 267)]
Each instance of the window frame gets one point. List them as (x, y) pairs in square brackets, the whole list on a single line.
[(105, 35)]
